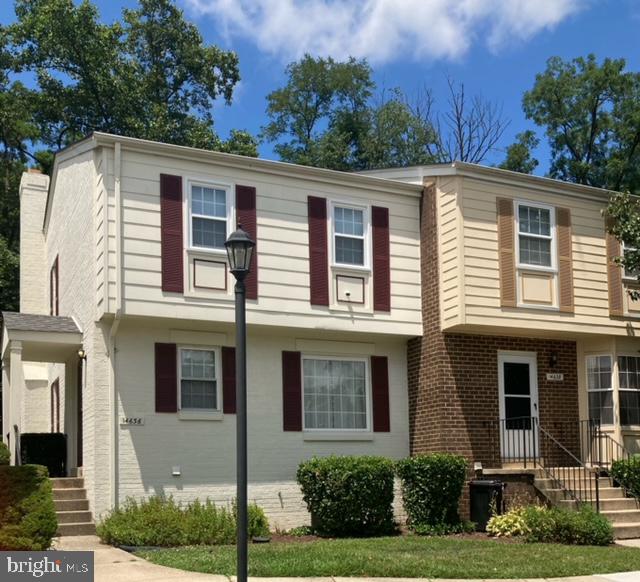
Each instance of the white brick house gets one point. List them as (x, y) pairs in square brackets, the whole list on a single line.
[(122, 259)]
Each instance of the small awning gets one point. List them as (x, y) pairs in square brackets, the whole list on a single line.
[(44, 338)]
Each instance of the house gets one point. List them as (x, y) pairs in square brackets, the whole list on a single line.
[(124, 340), (435, 308)]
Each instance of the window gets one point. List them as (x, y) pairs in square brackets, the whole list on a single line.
[(335, 394), (629, 378), (209, 216), (199, 379), (629, 274), (349, 230), (535, 236), (600, 389)]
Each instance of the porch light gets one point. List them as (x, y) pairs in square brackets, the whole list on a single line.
[(240, 252), (82, 354)]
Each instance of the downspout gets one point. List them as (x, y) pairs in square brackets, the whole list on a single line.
[(113, 387)]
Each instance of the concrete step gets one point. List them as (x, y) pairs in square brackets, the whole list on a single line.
[(71, 504), (626, 531), (622, 516), (60, 494), (67, 483), (618, 504), (611, 493), (76, 529), (74, 516)]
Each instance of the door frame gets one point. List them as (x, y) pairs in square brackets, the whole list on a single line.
[(530, 358)]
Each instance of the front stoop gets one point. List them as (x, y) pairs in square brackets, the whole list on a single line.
[(623, 512), (72, 507)]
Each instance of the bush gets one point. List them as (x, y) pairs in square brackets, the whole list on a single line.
[(552, 525), (159, 521), (431, 489), (349, 496), (627, 474), (27, 513), (5, 455)]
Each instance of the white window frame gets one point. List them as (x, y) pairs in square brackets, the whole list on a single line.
[(625, 276), (368, 394), (552, 237), (366, 231), (229, 190), (612, 389), (620, 388), (218, 377)]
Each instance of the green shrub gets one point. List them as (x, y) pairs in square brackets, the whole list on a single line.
[(159, 521), (27, 512), (553, 525), (431, 489), (627, 474), (5, 455), (349, 496)]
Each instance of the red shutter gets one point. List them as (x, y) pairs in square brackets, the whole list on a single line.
[(380, 393), (318, 255), (246, 216), (228, 380), (171, 233), (381, 260), (166, 378), (292, 391)]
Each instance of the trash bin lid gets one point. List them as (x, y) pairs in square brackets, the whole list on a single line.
[(486, 483)]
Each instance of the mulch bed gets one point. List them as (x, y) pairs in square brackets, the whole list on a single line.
[(476, 536)]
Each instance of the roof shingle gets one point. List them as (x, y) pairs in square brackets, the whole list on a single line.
[(32, 322)]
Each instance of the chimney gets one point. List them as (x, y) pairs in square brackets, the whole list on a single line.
[(33, 268)]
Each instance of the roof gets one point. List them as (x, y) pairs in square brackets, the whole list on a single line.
[(32, 322)]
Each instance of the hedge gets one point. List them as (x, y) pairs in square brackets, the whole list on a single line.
[(431, 489), (627, 474), (5, 455), (349, 496), (160, 521), (27, 512)]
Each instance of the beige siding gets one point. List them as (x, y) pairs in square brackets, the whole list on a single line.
[(481, 270), (283, 249)]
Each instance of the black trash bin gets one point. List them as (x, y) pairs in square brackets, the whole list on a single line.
[(486, 496)]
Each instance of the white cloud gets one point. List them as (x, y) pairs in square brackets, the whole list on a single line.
[(383, 30)]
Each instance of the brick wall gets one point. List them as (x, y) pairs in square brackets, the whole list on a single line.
[(453, 378)]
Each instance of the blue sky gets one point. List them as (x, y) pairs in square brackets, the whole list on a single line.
[(495, 47)]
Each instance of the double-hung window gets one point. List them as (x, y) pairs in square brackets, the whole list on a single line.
[(600, 388), (536, 233), (335, 393), (199, 379), (209, 211), (629, 379), (349, 235), (629, 274)]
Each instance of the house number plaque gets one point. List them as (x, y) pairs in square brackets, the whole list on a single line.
[(555, 377), (131, 421)]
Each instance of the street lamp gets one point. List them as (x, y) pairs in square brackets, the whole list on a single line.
[(240, 252)]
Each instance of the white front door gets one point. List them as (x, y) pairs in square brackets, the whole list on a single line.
[(518, 386)]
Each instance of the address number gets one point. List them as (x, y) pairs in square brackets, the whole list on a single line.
[(132, 421)]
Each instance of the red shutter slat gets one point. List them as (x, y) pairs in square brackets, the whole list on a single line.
[(381, 260), (229, 380), (380, 393), (318, 254), (166, 378), (292, 391), (171, 233), (246, 216)]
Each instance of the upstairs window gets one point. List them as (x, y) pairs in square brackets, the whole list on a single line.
[(536, 232), (631, 275), (199, 380), (349, 232), (209, 214)]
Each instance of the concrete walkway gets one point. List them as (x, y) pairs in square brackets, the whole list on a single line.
[(114, 565)]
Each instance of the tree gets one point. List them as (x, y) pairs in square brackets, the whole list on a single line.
[(591, 116), (519, 154)]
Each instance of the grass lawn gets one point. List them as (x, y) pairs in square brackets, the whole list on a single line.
[(408, 556)]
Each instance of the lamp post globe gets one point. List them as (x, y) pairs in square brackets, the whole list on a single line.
[(240, 250)]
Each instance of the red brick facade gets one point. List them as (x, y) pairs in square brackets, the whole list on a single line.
[(453, 378)]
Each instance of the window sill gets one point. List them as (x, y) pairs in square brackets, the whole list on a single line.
[(353, 268), (206, 251), (537, 269), (539, 307), (200, 415), (319, 435)]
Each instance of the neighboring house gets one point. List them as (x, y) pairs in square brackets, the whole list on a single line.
[(126, 295), (436, 308)]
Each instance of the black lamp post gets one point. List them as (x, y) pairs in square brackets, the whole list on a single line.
[(240, 252)]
